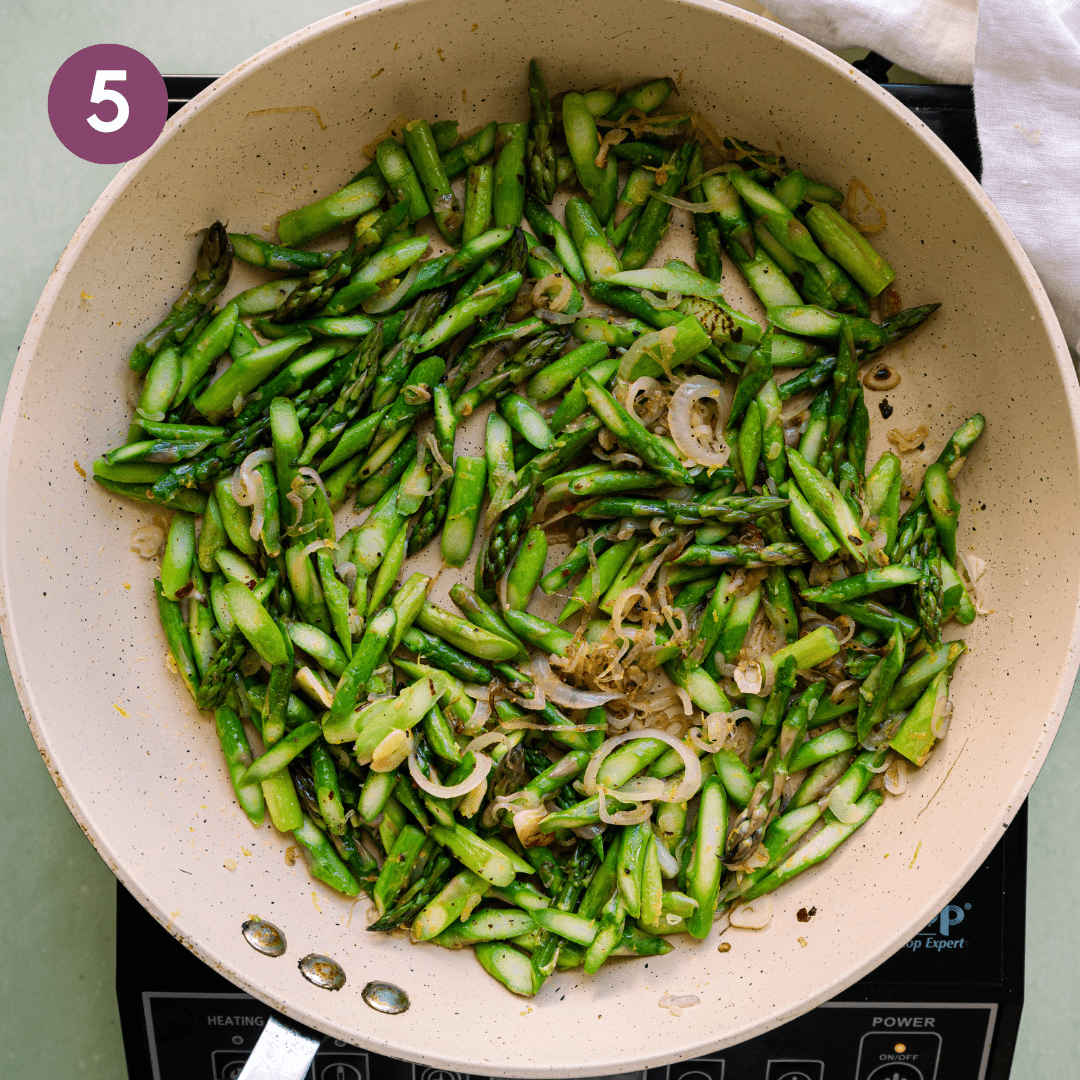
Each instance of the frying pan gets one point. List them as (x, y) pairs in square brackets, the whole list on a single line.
[(140, 768)]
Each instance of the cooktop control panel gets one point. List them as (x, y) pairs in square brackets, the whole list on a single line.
[(212, 1035), (858, 1041)]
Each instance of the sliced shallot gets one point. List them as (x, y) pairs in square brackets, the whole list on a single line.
[(481, 712), (657, 346), (645, 383), (391, 752), (243, 490), (312, 475), (622, 817), (440, 791), (753, 916), (697, 388), (148, 541), (896, 777), (691, 782), (526, 825), (258, 506), (669, 865), (556, 690), (481, 742), (640, 789), (939, 724), (556, 289), (519, 800)]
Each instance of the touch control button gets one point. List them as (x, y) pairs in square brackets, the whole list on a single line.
[(697, 1069), (898, 1055), (340, 1071), (795, 1070), (901, 1071)]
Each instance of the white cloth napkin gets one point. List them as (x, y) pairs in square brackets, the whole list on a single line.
[(1027, 103), (1024, 59), (936, 38)]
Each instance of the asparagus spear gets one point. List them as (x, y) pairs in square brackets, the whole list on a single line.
[(211, 275), (420, 144), (599, 181), (543, 172)]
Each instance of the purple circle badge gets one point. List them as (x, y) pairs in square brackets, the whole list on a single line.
[(107, 104)]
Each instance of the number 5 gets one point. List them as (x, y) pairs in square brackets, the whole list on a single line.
[(102, 93)]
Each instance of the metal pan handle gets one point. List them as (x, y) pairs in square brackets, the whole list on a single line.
[(285, 1051)]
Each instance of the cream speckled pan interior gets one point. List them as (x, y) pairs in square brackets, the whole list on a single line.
[(140, 768)]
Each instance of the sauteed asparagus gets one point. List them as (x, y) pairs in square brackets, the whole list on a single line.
[(750, 647)]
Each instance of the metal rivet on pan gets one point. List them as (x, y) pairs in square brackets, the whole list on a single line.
[(321, 971), (385, 997), (264, 937)]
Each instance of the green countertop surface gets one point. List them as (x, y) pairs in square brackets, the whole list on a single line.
[(58, 1015)]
